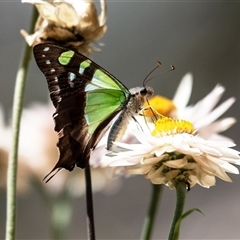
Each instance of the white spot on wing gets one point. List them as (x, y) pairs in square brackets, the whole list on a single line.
[(71, 77), (81, 70), (46, 49), (48, 62)]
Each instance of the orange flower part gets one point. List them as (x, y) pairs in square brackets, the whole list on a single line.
[(162, 105)]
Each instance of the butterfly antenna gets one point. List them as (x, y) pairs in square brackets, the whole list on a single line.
[(146, 79), (149, 79), (159, 64)]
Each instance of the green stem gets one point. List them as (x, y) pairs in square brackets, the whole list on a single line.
[(150, 218), (89, 203), (61, 216), (13, 155), (181, 194), (59, 207)]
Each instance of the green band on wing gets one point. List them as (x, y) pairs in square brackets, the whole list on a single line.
[(84, 65), (100, 104), (102, 80), (65, 57)]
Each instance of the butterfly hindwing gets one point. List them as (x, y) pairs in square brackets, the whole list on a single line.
[(86, 98)]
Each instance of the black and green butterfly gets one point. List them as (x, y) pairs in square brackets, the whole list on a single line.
[(86, 98)]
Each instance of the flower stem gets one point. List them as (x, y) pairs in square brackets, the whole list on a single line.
[(89, 202), (59, 206), (181, 194), (61, 216), (150, 218), (13, 155)]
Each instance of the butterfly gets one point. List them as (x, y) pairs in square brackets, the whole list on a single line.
[(87, 98)]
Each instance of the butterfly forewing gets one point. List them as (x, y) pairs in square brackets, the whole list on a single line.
[(86, 98), (63, 80)]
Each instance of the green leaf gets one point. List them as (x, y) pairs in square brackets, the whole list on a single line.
[(178, 223)]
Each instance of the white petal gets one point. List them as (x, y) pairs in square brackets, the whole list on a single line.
[(147, 139), (103, 15), (206, 164), (203, 107), (125, 162), (220, 144), (183, 93), (216, 127), (220, 173), (185, 145), (140, 148), (46, 10), (144, 169), (224, 165), (155, 173), (229, 168), (218, 137), (33, 1), (207, 181), (223, 124), (215, 114), (158, 152), (66, 15), (231, 154), (153, 160), (176, 163), (157, 180), (209, 150)]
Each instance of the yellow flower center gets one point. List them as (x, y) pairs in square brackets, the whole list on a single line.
[(169, 126), (162, 105)]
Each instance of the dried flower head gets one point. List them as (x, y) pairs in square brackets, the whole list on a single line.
[(173, 152), (72, 23)]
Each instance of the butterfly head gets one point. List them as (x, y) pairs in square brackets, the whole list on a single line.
[(142, 92), (139, 95), (146, 92)]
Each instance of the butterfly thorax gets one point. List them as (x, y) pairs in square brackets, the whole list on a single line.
[(137, 98)]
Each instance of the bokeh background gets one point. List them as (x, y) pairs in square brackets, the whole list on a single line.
[(201, 37)]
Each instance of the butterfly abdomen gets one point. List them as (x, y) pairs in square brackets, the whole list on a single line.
[(118, 128)]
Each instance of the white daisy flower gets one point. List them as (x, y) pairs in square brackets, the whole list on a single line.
[(173, 152), (5, 140), (203, 115), (71, 23), (38, 153)]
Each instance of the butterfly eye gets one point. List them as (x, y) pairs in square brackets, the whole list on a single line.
[(143, 91)]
